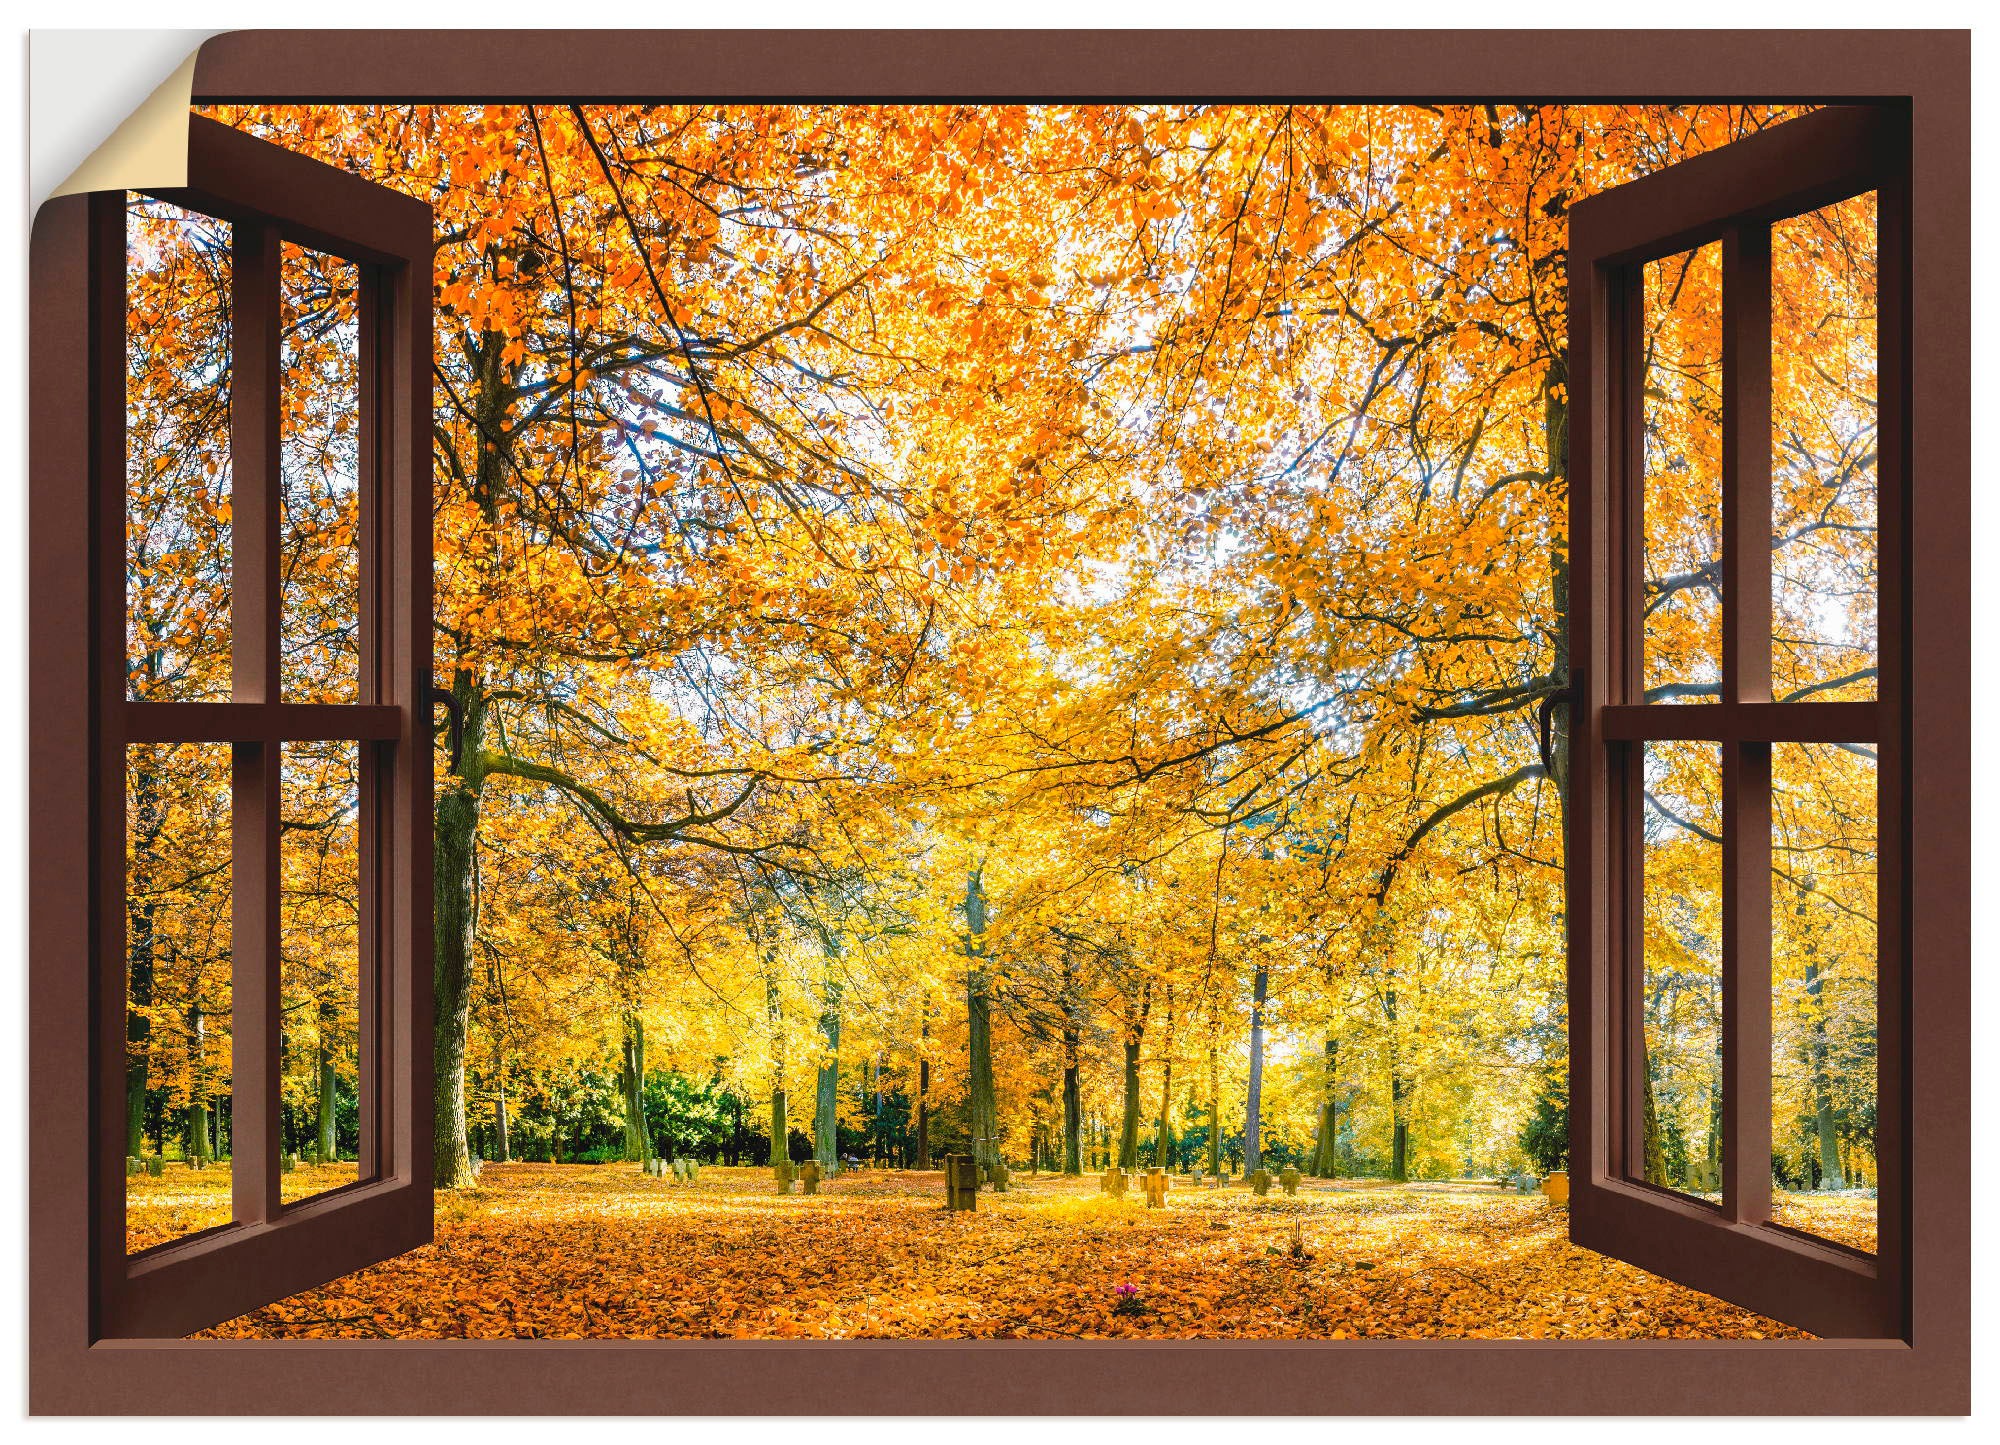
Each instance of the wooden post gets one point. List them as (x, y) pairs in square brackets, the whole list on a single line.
[(961, 1182)]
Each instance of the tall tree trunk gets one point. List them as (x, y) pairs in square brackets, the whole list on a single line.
[(1214, 1113), (147, 822), (1128, 1127), (1399, 1124), (826, 1099), (632, 1088), (1254, 1108), (1135, 1034), (1072, 1149), (1555, 443), (1652, 1142), (985, 1109), (327, 1091), (455, 841), (1830, 1174), (456, 826), (1327, 1145), (197, 1145), (500, 1146), (924, 1090), (775, 1016), (1163, 1141), (875, 1131)]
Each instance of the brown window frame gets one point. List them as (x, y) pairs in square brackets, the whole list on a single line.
[(271, 196), (1731, 195), (73, 1368)]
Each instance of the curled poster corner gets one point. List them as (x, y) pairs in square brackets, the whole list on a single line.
[(148, 149)]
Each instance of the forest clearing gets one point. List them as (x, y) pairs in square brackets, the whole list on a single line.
[(602, 1252)]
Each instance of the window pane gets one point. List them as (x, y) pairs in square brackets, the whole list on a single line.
[(1823, 562), (1683, 476), (177, 484), (320, 967), (177, 988), (1682, 1000), (1823, 866), (320, 477)]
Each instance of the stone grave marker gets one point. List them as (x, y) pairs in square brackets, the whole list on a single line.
[(1290, 1179), (809, 1176), (1261, 1182), (1156, 1188), (961, 1182), (783, 1174)]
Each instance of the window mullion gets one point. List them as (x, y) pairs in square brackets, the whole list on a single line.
[(256, 774), (1746, 982), (1746, 764)]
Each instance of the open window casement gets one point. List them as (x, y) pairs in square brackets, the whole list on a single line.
[(230, 718), (1715, 763)]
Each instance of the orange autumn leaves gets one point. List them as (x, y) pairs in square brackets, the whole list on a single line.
[(571, 1252)]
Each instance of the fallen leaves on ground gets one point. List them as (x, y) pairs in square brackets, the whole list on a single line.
[(181, 1201), (604, 1252)]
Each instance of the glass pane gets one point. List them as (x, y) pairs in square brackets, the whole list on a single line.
[(177, 988), (1682, 1001), (1823, 866), (319, 971), (177, 497), (320, 478), (1683, 476), (1823, 560)]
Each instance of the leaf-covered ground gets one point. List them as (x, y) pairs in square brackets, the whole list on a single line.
[(583, 1251)]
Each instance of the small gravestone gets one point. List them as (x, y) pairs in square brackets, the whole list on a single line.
[(809, 1176), (783, 1173), (1116, 1181), (1260, 1180), (1290, 1179), (1156, 1188), (996, 1175), (156, 1165), (961, 1182), (134, 1165)]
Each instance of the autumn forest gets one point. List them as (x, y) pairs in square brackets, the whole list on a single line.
[(1027, 632)]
